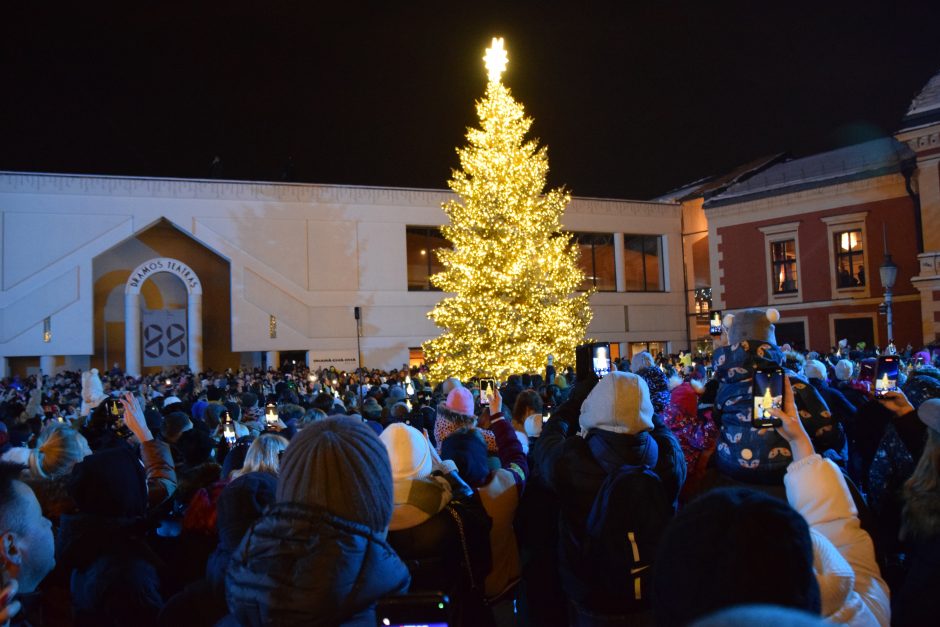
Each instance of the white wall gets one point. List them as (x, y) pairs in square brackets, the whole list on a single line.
[(305, 253)]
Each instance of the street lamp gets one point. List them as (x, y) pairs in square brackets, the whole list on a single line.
[(889, 274)]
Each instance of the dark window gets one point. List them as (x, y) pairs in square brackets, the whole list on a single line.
[(854, 330), (422, 245), (597, 261), (783, 258), (792, 333), (850, 271), (643, 263)]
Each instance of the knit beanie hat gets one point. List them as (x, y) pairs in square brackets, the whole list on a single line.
[(814, 369), (641, 361), (175, 424), (620, 402), (720, 544), (460, 401), (110, 483), (929, 413), (468, 450), (844, 370), (408, 451), (658, 387), (340, 465), (396, 393), (748, 615)]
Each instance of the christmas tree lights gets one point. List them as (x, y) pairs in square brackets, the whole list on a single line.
[(511, 268)]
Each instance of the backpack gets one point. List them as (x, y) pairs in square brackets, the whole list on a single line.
[(627, 520)]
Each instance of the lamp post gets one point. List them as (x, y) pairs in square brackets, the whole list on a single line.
[(889, 274)]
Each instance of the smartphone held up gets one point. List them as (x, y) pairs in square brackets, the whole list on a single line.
[(886, 375), (768, 394)]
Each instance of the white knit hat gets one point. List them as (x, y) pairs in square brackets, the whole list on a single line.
[(641, 361), (815, 369), (620, 402), (408, 451), (844, 370)]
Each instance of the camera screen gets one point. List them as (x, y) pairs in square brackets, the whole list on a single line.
[(486, 388), (601, 359), (768, 394), (886, 379), (714, 324), (229, 433)]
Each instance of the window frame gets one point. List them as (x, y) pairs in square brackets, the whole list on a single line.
[(427, 234), (662, 263), (780, 233), (575, 237), (839, 224)]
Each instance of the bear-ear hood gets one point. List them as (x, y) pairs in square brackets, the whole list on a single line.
[(752, 324)]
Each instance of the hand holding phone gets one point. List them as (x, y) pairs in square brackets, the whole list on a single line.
[(790, 426)]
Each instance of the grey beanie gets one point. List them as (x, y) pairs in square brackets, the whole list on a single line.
[(929, 413), (339, 464), (844, 370)]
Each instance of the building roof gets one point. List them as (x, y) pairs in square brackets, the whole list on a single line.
[(712, 185), (925, 107), (860, 161)]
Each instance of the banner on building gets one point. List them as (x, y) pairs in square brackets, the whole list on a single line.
[(164, 337), (340, 359)]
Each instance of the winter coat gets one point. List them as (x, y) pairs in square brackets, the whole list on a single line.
[(571, 466), (851, 588), (114, 573), (432, 549), (840, 407), (500, 495), (762, 455), (301, 565)]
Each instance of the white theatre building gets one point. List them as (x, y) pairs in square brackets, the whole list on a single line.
[(91, 265)]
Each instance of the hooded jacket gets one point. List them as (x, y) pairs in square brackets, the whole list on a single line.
[(616, 422), (301, 565), (850, 583)]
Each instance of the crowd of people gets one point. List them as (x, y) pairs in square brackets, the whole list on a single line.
[(644, 497)]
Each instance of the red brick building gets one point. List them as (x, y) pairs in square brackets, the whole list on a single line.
[(807, 237)]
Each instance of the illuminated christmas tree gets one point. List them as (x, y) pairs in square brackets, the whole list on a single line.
[(511, 267)]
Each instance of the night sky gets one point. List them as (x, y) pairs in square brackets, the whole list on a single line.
[(632, 98)]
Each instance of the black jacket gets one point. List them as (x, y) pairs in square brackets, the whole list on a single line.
[(300, 565), (114, 574), (571, 469), (433, 552)]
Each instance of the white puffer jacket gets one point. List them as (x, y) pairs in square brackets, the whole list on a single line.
[(852, 590)]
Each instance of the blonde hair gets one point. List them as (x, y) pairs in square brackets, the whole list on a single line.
[(923, 484), (264, 455), (58, 449)]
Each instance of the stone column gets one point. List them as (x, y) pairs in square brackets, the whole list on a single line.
[(131, 334), (273, 359), (618, 262), (309, 359), (4, 367), (194, 329), (47, 364)]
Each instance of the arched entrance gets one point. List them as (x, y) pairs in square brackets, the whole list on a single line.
[(132, 302)]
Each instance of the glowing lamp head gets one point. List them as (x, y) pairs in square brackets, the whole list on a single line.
[(496, 59)]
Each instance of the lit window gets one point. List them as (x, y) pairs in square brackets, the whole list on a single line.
[(643, 263), (597, 261), (422, 243), (783, 262), (850, 259)]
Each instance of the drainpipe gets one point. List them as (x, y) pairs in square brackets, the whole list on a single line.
[(907, 170)]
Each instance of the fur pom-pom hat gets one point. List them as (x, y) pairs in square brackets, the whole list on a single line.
[(752, 324), (92, 391)]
